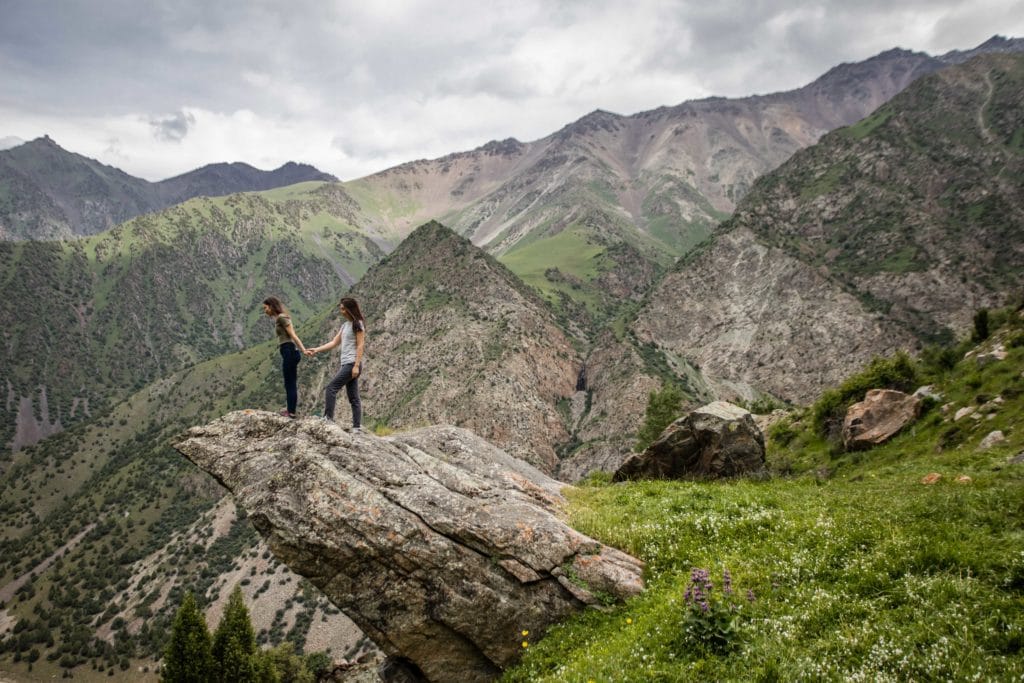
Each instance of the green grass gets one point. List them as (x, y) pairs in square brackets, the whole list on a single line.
[(858, 570), (572, 251), (866, 126)]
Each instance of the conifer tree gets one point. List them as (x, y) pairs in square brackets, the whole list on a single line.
[(662, 408), (234, 644), (188, 657)]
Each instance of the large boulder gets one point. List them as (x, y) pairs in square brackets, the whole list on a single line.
[(716, 440), (440, 546), (879, 417)]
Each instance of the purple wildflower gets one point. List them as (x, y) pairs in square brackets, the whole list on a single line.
[(704, 607), (750, 595), (726, 582)]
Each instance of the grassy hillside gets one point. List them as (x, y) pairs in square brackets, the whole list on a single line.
[(856, 569), (110, 526), (93, 319)]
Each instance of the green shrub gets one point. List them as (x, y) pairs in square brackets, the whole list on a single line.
[(662, 408)]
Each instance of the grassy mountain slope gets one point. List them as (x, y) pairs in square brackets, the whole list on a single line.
[(91, 319), (857, 569), (138, 526)]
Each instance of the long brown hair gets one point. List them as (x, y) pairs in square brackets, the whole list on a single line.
[(275, 305), (352, 306)]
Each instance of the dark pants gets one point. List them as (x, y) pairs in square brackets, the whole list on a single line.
[(290, 358), (345, 379)]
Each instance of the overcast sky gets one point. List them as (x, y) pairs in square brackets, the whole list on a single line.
[(161, 87)]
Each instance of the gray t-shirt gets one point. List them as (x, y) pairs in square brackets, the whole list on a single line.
[(348, 341)]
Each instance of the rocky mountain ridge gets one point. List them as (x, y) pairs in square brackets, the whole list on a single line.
[(47, 192), (887, 234)]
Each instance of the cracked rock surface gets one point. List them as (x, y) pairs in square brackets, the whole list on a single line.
[(440, 546)]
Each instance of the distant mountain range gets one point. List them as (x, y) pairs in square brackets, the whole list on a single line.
[(590, 213), (47, 192)]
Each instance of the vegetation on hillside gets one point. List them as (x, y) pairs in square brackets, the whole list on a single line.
[(104, 316), (843, 566)]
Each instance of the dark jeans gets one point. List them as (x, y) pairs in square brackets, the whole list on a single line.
[(344, 379), (290, 358)]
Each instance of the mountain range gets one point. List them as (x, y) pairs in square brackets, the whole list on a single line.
[(47, 192), (885, 234)]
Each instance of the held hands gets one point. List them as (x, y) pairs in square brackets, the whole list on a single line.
[(310, 352)]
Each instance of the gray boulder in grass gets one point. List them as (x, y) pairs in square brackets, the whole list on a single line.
[(714, 441), (442, 548)]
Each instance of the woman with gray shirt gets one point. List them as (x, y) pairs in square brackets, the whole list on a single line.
[(351, 337)]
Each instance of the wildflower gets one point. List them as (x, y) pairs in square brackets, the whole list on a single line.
[(526, 644), (526, 633), (629, 620), (726, 582), (750, 595)]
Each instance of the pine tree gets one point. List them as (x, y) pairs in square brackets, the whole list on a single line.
[(188, 657), (234, 644), (662, 408)]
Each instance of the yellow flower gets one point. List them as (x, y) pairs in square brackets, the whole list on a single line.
[(629, 620), (526, 644), (526, 633)]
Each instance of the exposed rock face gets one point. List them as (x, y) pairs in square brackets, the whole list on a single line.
[(751, 315), (439, 546), (716, 440), (617, 391), (879, 417)]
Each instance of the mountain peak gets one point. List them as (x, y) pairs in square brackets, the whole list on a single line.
[(599, 119)]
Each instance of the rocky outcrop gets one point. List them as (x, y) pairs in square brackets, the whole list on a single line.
[(881, 415), (716, 440), (453, 337), (439, 546)]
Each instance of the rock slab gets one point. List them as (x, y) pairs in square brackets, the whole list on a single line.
[(879, 417), (714, 441), (440, 546)]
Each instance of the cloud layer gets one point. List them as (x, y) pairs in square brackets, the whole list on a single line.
[(354, 87)]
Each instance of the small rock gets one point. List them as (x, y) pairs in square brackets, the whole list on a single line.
[(946, 408), (963, 479), (931, 478), (995, 355), (928, 391), (992, 439), (962, 413), (1017, 459)]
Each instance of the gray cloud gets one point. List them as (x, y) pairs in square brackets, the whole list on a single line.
[(173, 128), (414, 78)]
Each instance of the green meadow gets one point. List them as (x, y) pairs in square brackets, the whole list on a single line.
[(842, 566)]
